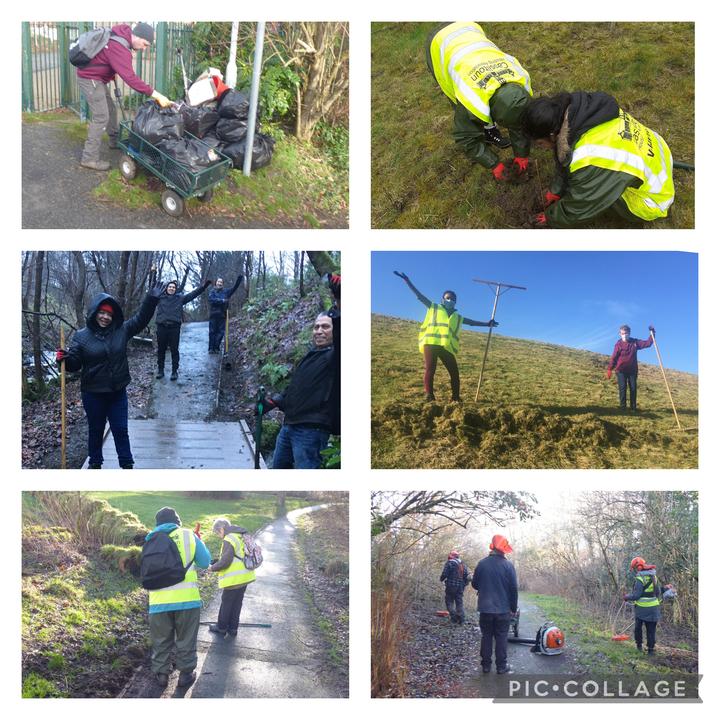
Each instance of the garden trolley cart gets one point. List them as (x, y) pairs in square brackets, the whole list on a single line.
[(182, 183)]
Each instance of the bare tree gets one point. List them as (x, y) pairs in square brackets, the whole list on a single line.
[(37, 306)]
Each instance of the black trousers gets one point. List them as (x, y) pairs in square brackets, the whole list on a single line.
[(650, 628), (494, 628), (168, 336), (216, 332), (454, 603), (230, 607)]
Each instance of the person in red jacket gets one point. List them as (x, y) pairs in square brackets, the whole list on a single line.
[(115, 58), (624, 362)]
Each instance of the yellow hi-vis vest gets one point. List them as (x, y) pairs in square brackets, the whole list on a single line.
[(469, 68), (440, 329), (187, 590), (236, 573), (628, 146), (648, 597)]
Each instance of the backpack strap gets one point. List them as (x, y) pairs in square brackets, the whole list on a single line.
[(120, 40)]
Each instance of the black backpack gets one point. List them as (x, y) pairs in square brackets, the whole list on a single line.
[(160, 563)]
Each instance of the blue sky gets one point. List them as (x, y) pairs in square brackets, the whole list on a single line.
[(578, 299)]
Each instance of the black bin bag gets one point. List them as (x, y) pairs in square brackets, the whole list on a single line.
[(199, 121), (235, 104), (155, 123), (231, 130), (263, 146)]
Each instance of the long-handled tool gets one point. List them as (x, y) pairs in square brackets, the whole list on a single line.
[(226, 358), (622, 636), (662, 370), (260, 411), (184, 74), (63, 414), (118, 97), (498, 293), (258, 625)]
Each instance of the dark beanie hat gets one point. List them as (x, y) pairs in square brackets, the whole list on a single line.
[(167, 515), (144, 31)]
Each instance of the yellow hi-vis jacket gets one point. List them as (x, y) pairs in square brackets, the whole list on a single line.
[(187, 590), (625, 145), (469, 68), (648, 597), (236, 573), (440, 329)]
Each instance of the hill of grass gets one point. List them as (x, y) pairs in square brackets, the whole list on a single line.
[(540, 406), (420, 179)]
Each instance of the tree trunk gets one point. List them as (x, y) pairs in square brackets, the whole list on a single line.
[(302, 273), (79, 295), (322, 262), (123, 279), (37, 304)]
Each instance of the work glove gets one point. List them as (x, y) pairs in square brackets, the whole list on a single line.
[(333, 281), (549, 199), (520, 167), (609, 373), (239, 278), (196, 531), (161, 100), (60, 355), (652, 329), (207, 283), (157, 289), (501, 173), (539, 220), (401, 275), (493, 323)]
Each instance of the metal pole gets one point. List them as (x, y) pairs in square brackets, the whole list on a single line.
[(227, 328), (487, 344), (667, 385), (63, 416), (231, 69), (254, 92), (161, 37)]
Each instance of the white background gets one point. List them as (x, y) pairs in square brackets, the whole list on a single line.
[(356, 245)]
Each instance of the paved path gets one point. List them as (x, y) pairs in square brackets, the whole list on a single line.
[(173, 432)]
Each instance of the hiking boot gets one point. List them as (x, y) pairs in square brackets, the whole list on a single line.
[(215, 629), (95, 164), (486, 669), (494, 137), (639, 648), (159, 374), (94, 466), (232, 633), (162, 679), (455, 399), (507, 670), (173, 376), (127, 466), (186, 678), (429, 397), (651, 651)]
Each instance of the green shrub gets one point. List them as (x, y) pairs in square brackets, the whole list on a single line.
[(35, 686)]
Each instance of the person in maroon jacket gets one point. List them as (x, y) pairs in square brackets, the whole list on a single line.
[(624, 362), (94, 78)]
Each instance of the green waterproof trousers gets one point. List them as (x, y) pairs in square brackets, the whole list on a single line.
[(176, 629)]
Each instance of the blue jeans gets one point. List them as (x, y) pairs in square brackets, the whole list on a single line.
[(216, 332), (298, 447), (625, 380), (113, 408)]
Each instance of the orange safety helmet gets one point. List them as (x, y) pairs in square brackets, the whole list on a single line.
[(454, 554), (500, 543), (637, 563)]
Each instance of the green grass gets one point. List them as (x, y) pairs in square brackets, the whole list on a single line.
[(591, 641), (540, 406), (420, 180)]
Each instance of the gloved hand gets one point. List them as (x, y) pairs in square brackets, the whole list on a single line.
[(401, 275), (333, 281), (196, 531), (609, 373), (493, 323), (501, 173), (549, 199), (157, 289), (60, 355), (539, 220), (652, 329), (625, 597), (160, 99), (520, 166), (207, 283), (239, 278)]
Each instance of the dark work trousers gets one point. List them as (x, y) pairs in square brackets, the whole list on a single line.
[(168, 336), (625, 380), (217, 332), (494, 627), (230, 607), (431, 353), (103, 116), (650, 628), (454, 603), (113, 408)]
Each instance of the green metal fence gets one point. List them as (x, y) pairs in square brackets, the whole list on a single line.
[(49, 81)]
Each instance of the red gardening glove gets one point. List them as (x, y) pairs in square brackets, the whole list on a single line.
[(550, 198), (539, 220), (521, 164), (60, 355), (197, 530), (334, 284), (501, 173), (609, 373)]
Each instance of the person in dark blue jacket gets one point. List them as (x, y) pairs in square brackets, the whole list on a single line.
[(219, 301), (99, 351), (455, 575), (496, 584)]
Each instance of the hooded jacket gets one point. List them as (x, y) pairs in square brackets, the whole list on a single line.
[(496, 583), (219, 300), (115, 59), (313, 395), (624, 357), (590, 190), (170, 307), (101, 353)]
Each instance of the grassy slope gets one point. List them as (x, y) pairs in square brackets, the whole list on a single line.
[(596, 651), (540, 406), (421, 180)]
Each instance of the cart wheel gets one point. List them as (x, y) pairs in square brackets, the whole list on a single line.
[(207, 196), (172, 203), (128, 167)]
